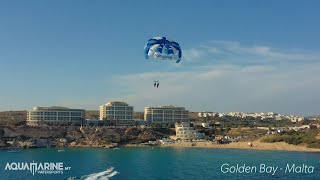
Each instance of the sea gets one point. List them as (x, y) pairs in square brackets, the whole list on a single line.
[(157, 163)]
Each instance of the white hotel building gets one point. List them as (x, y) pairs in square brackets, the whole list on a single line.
[(55, 115), (185, 132), (119, 112), (165, 114)]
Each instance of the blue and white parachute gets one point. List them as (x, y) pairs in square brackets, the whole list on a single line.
[(161, 47)]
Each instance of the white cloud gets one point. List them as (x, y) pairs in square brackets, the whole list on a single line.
[(280, 87), (232, 48), (258, 68), (193, 54)]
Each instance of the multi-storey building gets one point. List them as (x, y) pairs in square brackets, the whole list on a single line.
[(185, 132), (165, 114), (119, 113), (55, 115)]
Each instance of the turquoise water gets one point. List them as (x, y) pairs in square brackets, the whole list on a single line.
[(159, 163)]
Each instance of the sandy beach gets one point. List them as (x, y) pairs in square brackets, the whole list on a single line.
[(257, 145)]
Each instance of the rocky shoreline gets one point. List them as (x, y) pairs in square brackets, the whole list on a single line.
[(61, 137), (25, 137)]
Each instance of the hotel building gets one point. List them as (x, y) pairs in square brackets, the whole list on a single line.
[(55, 115), (185, 132), (118, 113), (165, 114)]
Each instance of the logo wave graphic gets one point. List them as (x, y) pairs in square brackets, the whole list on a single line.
[(104, 175)]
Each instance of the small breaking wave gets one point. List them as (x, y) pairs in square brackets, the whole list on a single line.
[(104, 175)]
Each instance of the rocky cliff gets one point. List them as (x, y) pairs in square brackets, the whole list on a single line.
[(30, 137)]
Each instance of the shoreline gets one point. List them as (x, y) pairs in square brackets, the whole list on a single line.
[(102, 137), (257, 145)]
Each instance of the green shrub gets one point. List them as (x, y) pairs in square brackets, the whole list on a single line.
[(306, 137), (315, 144)]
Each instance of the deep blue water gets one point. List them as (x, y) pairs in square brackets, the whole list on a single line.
[(160, 163)]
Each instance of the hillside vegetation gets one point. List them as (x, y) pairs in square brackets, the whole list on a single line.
[(311, 138)]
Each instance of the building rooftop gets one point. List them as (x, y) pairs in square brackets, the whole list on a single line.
[(117, 103), (167, 107), (53, 108)]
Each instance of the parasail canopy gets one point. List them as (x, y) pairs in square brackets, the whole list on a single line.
[(163, 48)]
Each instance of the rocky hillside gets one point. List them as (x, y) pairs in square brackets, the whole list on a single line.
[(28, 137), (12, 117)]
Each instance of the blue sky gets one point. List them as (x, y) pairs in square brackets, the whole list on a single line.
[(237, 55)]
